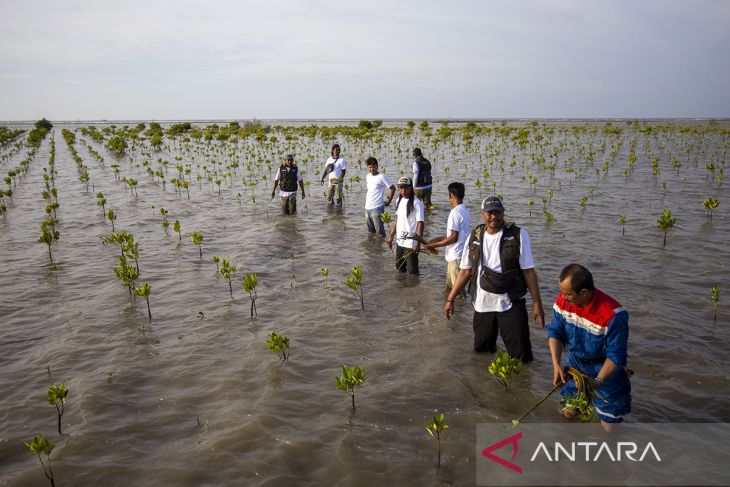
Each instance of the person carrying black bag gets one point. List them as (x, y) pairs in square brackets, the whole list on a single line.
[(502, 256)]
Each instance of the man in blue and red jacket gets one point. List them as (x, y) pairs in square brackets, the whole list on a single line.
[(595, 328)]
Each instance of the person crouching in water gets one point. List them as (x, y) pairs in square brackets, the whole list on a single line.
[(409, 222)]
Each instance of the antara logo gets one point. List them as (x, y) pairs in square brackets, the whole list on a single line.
[(571, 452), (512, 440)]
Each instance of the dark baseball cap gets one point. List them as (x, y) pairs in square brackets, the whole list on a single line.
[(492, 203), (289, 157)]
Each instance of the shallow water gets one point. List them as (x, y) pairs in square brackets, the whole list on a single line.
[(195, 398)]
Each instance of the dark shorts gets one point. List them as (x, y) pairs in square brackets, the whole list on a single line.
[(406, 260), (512, 325)]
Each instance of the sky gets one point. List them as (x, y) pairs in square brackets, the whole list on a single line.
[(272, 59)]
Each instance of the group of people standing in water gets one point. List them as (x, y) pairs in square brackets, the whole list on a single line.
[(494, 262)]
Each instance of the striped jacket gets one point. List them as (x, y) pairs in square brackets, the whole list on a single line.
[(596, 331)]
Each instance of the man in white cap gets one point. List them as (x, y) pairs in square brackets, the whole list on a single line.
[(502, 256)]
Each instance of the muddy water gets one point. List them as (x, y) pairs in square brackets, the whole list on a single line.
[(195, 398)]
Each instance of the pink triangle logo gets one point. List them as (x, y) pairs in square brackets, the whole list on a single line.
[(513, 440)]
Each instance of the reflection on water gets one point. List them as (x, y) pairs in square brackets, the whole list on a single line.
[(139, 389)]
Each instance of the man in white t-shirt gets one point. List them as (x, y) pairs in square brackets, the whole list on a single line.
[(457, 231), (409, 222), (287, 178), (375, 201), (502, 254), (335, 169)]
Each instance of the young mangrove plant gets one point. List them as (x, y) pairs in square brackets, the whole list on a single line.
[(582, 401), (325, 276), (351, 380), (354, 282), (622, 221), (176, 228), (503, 367), (217, 261), (165, 222), (49, 235), (40, 445), (101, 201), (710, 204), (226, 272), (111, 216), (279, 344), (197, 238), (666, 223), (386, 218), (715, 299), (144, 290), (57, 397), (435, 427), (250, 283)]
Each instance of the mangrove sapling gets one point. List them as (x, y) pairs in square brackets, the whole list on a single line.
[(144, 290), (354, 282), (503, 367), (325, 276), (226, 272), (40, 445), (666, 223), (279, 344), (715, 299), (217, 261), (710, 204), (165, 222), (582, 401), (250, 283), (176, 228), (386, 218), (49, 234), (111, 216), (622, 221), (351, 380), (57, 397), (197, 238), (435, 427), (517, 421)]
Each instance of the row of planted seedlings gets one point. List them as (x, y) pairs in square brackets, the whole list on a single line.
[(49, 233)]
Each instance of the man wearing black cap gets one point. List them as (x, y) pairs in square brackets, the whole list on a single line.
[(287, 178), (422, 180), (502, 256)]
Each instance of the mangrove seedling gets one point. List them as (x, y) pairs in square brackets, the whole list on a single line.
[(351, 380), (325, 276), (40, 445), (197, 238), (57, 397), (176, 228), (582, 401), (49, 234), (354, 282), (715, 299), (503, 367), (226, 272), (622, 221), (666, 223), (279, 344), (435, 427), (386, 218), (111, 216), (101, 201), (250, 283), (144, 290), (217, 261), (710, 204)]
